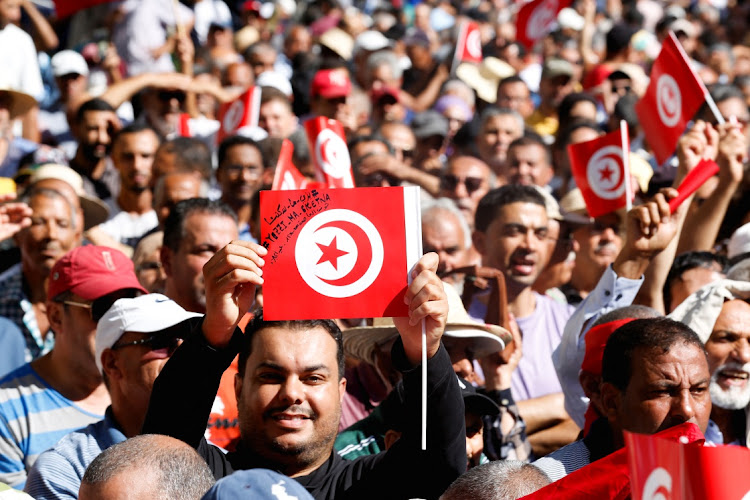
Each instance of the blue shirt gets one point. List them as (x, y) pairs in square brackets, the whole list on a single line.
[(58, 472)]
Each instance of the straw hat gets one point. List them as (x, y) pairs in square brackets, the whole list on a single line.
[(484, 78), (338, 41), (20, 102), (361, 342)]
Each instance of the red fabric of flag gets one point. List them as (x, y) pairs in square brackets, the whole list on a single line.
[(469, 44), (607, 478), (65, 8), (240, 114), (184, 128), (536, 18), (287, 176), (686, 470), (338, 253), (672, 98), (599, 172), (333, 165)]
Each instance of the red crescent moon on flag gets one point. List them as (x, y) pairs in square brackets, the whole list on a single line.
[(364, 252)]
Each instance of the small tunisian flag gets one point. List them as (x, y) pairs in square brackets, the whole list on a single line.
[(469, 44), (672, 98), (600, 172), (239, 114), (536, 18), (287, 176), (687, 471), (327, 139), (338, 253), (608, 478)]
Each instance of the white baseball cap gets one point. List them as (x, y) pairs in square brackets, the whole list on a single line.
[(66, 62), (145, 314), (739, 243), (276, 80)]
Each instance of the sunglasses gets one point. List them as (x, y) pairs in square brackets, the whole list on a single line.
[(154, 343), (168, 95), (451, 182)]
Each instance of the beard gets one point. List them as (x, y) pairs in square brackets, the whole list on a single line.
[(733, 397)]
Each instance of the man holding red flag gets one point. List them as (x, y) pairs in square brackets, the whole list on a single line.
[(291, 385)]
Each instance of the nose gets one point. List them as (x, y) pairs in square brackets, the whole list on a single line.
[(683, 406), (291, 391), (741, 351), (608, 234), (52, 229)]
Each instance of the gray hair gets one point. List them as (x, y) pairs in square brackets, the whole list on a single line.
[(431, 208), (494, 111), (497, 480), (35, 191), (388, 57), (459, 87), (182, 473)]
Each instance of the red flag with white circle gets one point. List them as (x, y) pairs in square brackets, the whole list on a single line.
[(536, 18), (287, 176), (672, 98), (338, 253), (240, 114), (599, 172), (469, 43), (327, 139)]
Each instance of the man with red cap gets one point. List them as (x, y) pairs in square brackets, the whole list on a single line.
[(329, 94), (42, 401)]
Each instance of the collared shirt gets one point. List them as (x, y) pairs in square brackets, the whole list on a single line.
[(15, 306), (58, 472)]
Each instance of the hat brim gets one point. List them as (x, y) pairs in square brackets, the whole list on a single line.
[(21, 102), (95, 211)]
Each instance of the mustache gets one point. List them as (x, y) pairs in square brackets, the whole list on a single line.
[(608, 246), (295, 409)]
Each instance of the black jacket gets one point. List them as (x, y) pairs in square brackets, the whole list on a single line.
[(184, 393)]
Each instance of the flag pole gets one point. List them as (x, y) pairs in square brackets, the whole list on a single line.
[(714, 109), (424, 384), (626, 165)]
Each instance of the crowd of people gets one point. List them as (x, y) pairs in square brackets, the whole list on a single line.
[(136, 360)]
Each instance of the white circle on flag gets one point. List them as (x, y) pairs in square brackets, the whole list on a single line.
[(233, 116), (668, 100), (604, 173), (540, 20), (332, 154), (354, 231), (474, 44), (658, 485)]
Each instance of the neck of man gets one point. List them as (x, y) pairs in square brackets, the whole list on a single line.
[(731, 423), (93, 169), (241, 208), (135, 201), (521, 300), (128, 414), (584, 280), (171, 291), (34, 281), (75, 380)]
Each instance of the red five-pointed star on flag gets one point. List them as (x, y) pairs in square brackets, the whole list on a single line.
[(606, 173), (331, 253)]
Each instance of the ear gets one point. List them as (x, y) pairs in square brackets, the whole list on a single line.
[(611, 401), (479, 239), (237, 386), (342, 389), (165, 255), (54, 316), (110, 365)]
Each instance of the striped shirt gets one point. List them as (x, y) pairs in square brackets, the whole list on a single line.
[(33, 418), (58, 472)]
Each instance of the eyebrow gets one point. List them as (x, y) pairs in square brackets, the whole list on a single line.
[(307, 369)]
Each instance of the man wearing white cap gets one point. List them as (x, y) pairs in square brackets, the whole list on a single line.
[(134, 339)]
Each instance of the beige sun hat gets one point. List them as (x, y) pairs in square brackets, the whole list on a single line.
[(484, 78), (362, 342), (338, 41), (94, 210), (20, 102)]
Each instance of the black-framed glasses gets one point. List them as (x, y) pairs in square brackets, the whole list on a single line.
[(154, 343), (451, 182)]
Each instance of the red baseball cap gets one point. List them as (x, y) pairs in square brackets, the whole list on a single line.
[(331, 83), (91, 272)]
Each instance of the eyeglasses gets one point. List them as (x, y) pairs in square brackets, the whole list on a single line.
[(450, 182), (237, 170), (82, 305), (154, 343)]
